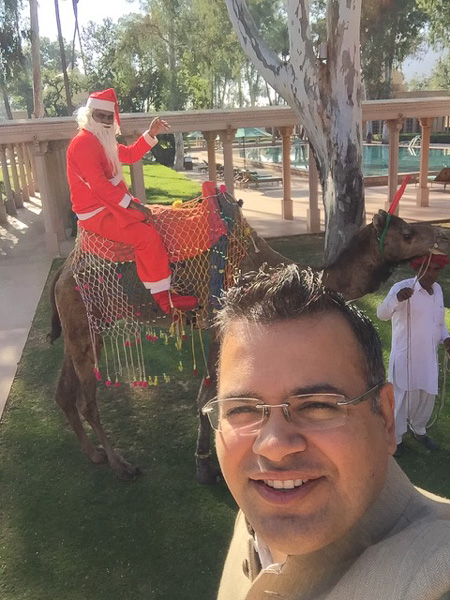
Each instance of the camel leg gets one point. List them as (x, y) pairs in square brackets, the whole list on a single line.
[(207, 473), (66, 397), (87, 405)]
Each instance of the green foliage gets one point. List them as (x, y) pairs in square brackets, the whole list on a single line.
[(390, 31), (438, 12), (21, 89)]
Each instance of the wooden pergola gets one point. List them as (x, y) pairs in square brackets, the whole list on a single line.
[(35, 152)]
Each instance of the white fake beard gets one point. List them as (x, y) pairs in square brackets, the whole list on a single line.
[(107, 138)]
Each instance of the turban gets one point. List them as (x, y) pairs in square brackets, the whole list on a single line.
[(438, 259)]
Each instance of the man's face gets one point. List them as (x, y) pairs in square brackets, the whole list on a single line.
[(344, 468), (104, 117), (430, 276)]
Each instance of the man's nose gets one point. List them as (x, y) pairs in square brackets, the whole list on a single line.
[(278, 437)]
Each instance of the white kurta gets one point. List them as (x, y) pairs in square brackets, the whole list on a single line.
[(413, 363)]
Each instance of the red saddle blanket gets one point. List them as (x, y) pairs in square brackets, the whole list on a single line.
[(187, 231)]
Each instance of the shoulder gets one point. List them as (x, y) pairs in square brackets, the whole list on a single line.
[(412, 564)]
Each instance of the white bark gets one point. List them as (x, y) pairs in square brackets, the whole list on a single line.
[(179, 152), (38, 110), (326, 95)]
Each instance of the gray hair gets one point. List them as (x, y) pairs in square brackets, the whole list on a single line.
[(286, 292)]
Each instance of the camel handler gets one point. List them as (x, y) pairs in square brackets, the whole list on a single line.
[(102, 202), (416, 308)]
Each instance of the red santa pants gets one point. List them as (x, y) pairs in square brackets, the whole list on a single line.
[(150, 254)]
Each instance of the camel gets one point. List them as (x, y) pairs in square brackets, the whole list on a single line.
[(358, 270)]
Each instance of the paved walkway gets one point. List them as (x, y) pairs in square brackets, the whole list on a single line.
[(25, 263)]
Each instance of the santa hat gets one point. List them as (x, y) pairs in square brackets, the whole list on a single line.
[(438, 259), (105, 100)]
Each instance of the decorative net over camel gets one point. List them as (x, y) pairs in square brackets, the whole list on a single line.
[(206, 240)]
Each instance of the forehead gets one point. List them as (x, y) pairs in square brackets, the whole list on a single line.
[(286, 355)]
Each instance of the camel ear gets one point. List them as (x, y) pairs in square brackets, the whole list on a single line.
[(379, 220)]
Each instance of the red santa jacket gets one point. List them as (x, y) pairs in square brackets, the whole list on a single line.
[(92, 185)]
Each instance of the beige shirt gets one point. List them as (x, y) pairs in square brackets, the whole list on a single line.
[(400, 550)]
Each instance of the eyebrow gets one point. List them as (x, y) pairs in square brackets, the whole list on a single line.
[(316, 388)]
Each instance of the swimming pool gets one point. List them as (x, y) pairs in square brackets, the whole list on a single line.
[(375, 158)]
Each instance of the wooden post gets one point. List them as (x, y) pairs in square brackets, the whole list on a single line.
[(137, 176), (3, 213), (23, 178), (33, 168), (10, 204), (313, 212), (18, 199), (227, 138), (54, 226), (394, 126), (423, 192), (287, 207), (210, 137), (28, 169)]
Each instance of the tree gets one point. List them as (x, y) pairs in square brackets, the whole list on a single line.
[(11, 55), (438, 12), (390, 31), (325, 93), (63, 60)]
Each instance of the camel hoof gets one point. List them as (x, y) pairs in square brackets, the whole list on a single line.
[(126, 472), (208, 474), (98, 456)]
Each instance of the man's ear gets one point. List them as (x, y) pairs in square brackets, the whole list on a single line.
[(387, 414)]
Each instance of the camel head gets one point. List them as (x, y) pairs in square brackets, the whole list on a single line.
[(402, 241)]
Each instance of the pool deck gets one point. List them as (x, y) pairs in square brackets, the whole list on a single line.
[(25, 262)]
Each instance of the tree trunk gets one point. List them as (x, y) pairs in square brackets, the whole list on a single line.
[(6, 100), (325, 93), (63, 61), (38, 111), (179, 152)]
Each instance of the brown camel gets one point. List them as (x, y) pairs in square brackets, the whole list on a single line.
[(359, 269)]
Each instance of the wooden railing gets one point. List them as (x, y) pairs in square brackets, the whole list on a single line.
[(32, 152)]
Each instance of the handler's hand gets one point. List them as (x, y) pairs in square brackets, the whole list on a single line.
[(158, 126), (404, 294), (143, 209)]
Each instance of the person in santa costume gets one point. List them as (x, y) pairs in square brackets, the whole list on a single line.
[(416, 308), (101, 199)]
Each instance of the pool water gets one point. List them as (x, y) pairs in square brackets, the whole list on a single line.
[(375, 158)]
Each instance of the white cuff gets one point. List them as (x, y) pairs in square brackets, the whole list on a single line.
[(115, 180), (158, 286), (125, 202), (151, 141)]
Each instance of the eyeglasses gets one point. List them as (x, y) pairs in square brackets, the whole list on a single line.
[(309, 412)]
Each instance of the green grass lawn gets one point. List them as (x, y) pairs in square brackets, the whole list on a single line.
[(164, 185), (70, 529)]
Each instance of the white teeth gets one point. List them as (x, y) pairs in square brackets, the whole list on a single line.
[(288, 484)]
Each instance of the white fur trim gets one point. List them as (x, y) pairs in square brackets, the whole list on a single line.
[(151, 141), (101, 104), (85, 216), (115, 180), (158, 286), (125, 202)]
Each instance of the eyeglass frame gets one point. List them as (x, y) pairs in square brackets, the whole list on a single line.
[(285, 405)]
